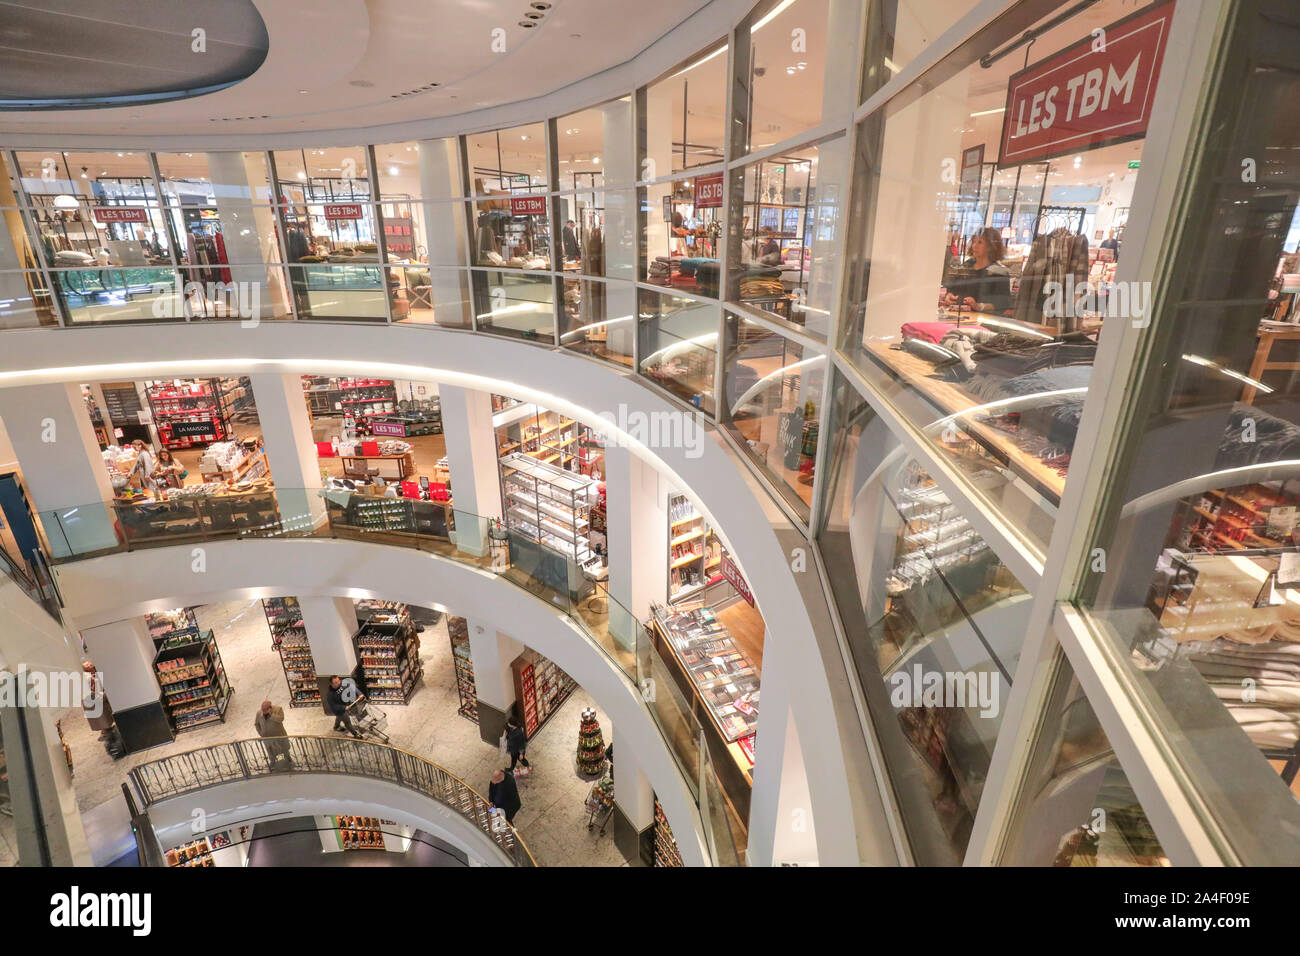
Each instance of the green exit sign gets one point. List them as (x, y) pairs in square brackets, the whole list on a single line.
[(1134, 163)]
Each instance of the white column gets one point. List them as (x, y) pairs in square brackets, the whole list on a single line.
[(330, 623), (123, 653), (62, 466), (249, 234), (290, 448), (492, 653), (54, 810), (636, 506), (445, 235), (472, 461), (633, 795)]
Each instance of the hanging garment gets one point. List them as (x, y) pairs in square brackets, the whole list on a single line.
[(1052, 258)]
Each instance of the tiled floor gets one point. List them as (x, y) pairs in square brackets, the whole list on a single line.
[(552, 821)]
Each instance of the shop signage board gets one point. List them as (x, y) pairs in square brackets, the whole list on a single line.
[(708, 191), (343, 210), (527, 205), (120, 214), (392, 429), (1098, 91), (733, 577), (972, 166), (195, 429)]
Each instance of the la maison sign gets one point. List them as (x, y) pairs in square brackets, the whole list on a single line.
[(1095, 92)]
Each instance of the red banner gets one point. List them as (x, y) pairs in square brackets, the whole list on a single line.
[(733, 577), (396, 429), (1098, 91), (528, 205), (708, 191), (120, 214), (343, 210)]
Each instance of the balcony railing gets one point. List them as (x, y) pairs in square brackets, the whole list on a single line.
[(87, 531), (248, 759)]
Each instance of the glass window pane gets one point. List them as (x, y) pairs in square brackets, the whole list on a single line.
[(508, 160), (92, 296), (683, 121), (774, 394), (248, 293), (215, 179), (510, 303), (582, 140), (431, 296), (212, 237), (934, 621), (790, 230), (342, 290), (681, 233), (330, 231), (977, 303), (679, 345), (93, 178), (16, 250), (913, 24), (1199, 538), (1078, 808), (82, 234), (513, 231), (397, 166), (338, 173), (25, 301), (599, 318)]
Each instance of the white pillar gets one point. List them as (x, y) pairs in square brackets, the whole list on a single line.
[(445, 237), (248, 232), (62, 466), (290, 449), (472, 461), (52, 810), (636, 505), (123, 653), (633, 796), (492, 653), (330, 623)]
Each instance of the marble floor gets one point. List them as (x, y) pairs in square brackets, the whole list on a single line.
[(552, 821), (8, 835)]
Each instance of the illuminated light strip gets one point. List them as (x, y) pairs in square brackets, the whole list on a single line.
[(1198, 360), (1000, 109), (522, 307), (778, 9), (781, 371), (1007, 403), (722, 49), (1227, 478), (685, 343), (1000, 323), (595, 325)]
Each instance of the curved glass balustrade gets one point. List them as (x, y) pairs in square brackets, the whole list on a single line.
[(106, 527), (248, 759)]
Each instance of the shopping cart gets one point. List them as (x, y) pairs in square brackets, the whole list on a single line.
[(600, 804), (370, 721)]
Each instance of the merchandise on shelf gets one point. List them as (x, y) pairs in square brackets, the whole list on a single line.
[(388, 650), (195, 853), (666, 850), (195, 690), (548, 506), (591, 745), (173, 628), (284, 618), (724, 678), (361, 833), (466, 690), (189, 412), (694, 553), (540, 688)]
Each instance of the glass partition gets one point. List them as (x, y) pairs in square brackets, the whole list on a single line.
[(508, 160), (980, 320), (583, 144), (683, 116), (1191, 580), (679, 345), (774, 394), (598, 318), (934, 622), (681, 225), (510, 303), (512, 232)]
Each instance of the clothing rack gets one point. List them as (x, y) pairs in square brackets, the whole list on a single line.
[(1051, 218)]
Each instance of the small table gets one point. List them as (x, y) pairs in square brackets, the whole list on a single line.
[(389, 466), (1268, 334)]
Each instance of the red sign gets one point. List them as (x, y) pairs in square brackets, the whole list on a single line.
[(120, 214), (528, 205), (1093, 93), (399, 235), (343, 210), (708, 191), (388, 428), (733, 577)]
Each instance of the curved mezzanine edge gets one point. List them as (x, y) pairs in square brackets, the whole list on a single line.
[(805, 682)]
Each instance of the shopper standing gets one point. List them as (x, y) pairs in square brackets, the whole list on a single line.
[(339, 707), (145, 465), (517, 746), (169, 473), (571, 248), (269, 724), (504, 795)]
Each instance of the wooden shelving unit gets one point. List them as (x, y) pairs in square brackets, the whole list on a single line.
[(466, 689), (666, 850), (540, 688), (1236, 519), (694, 552), (195, 690), (289, 636)]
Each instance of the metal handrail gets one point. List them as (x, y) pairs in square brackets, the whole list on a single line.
[(246, 759)]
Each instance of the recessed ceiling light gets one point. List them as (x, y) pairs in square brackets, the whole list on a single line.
[(595, 159), (393, 170), (540, 5), (527, 23), (523, 135), (533, 16), (304, 91)]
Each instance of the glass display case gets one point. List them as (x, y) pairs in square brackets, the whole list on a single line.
[(547, 511)]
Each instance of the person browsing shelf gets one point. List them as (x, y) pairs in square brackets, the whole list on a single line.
[(984, 285)]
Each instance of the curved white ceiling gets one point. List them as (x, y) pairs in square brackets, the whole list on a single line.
[(339, 64)]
